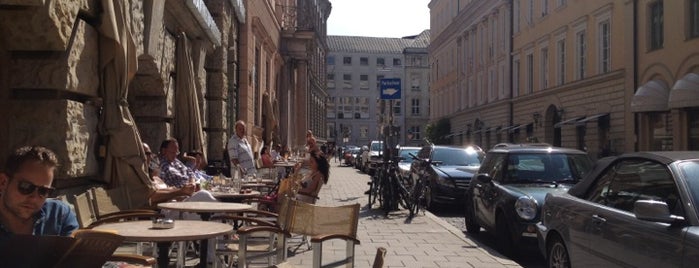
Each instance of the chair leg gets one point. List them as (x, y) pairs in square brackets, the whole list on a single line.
[(350, 254), (317, 254), (242, 251)]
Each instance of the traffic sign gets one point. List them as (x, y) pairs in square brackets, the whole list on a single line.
[(390, 88)]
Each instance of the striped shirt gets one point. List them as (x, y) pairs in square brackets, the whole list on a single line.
[(239, 148), (175, 173)]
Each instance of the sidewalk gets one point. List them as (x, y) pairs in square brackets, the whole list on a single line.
[(426, 241)]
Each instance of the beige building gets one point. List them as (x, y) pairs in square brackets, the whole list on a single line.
[(666, 101), (470, 65)]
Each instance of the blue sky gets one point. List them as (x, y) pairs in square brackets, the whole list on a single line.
[(378, 18)]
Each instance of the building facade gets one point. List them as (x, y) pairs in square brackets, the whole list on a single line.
[(666, 101), (416, 89), (356, 65), (470, 67)]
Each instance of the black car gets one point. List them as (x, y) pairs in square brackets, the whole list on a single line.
[(506, 194), (448, 171), (633, 210)]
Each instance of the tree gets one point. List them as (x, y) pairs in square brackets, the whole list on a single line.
[(437, 132)]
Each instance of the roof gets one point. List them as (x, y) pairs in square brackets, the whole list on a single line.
[(365, 44)]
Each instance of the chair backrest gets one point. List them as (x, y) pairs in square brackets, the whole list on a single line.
[(84, 209), (107, 201), (308, 219), (92, 248)]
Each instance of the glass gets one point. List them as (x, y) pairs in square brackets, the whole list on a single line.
[(27, 188)]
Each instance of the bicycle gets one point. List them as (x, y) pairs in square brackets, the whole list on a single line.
[(417, 194), (394, 189), (375, 190)]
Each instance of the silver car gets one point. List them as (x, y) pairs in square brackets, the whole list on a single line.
[(634, 210)]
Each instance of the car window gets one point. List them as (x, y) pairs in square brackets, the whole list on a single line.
[(633, 180), (494, 164), (456, 157), (377, 146), (405, 154), (690, 171), (545, 167), (424, 153)]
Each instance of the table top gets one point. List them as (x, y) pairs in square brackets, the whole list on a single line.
[(183, 230), (284, 164), (235, 195), (205, 207)]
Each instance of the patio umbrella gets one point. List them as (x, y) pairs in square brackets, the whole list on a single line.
[(188, 126), (125, 157)]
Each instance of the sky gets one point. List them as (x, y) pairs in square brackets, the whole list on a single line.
[(378, 18)]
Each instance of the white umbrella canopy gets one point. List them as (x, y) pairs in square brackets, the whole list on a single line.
[(188, 122), (125, 156)]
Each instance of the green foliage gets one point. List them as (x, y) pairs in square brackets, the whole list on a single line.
[(437, 132)]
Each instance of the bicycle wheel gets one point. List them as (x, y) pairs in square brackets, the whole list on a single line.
[(388, 194), (373, 185), (417, 197)]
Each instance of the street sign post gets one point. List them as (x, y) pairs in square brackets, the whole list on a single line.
[(390, 88)]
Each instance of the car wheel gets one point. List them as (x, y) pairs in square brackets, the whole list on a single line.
[(503, 236), (472, 226), (557, 255)]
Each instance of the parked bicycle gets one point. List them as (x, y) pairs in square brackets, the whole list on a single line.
[(395, 190), (417, 193)]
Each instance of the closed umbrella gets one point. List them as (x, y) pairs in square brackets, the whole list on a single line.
[(188, 126)]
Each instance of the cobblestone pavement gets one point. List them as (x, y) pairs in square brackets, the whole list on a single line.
[(426, 241)]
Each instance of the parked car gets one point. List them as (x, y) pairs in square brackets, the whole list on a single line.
[(349, 156), (405, 159), (634, 210), (506, 194), (372, 157), (448, 171)]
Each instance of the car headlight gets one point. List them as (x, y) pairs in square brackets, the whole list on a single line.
[(526, 207)]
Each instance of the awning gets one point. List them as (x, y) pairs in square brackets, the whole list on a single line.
[(512, 130), (507, 128), (590, 118), (571, 121), (651, 97), (685, 92)]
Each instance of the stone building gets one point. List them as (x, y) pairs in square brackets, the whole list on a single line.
[(173, 69), (302, 94), (416, 89), (470, 67), (666, 101), (605, 76)]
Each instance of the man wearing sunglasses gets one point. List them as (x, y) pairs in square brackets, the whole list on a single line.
[(25, 184)]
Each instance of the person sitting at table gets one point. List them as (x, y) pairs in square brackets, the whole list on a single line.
[(172, 170), (267, 161), (275, 153), (195, 161), (317, 175), (25, 185)]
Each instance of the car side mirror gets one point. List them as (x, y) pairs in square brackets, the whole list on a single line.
[(655, 211), (484, 178)]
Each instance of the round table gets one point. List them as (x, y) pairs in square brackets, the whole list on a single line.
[(183, 230), (234, 197)]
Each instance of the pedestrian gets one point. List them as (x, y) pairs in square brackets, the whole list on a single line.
[(240, 151), (25, 185)]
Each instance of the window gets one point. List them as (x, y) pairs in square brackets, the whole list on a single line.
[(580, 54), (656, 25), (561, 62), (515, 18), (415, 107), (604, 57), (347, 81), (515, 78), (530, 12), (415, 82), (415, 131), (363, 132), (693, 18), (330, 101), (544, 7), (396, 107), (561, 3), (364, 81), (347, 60), (331, 81), (378, 81), (530, 73), (397, 62), (331, 60), (631, 180), (363, 61), (380, 62), (544, 68)]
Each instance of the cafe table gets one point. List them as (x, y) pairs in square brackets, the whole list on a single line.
[(182, 230), (205, 210), (234, 196)]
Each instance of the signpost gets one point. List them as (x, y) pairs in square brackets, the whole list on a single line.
[(390, 88)]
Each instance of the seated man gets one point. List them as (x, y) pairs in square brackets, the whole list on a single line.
[(25, 185), (173, 172)]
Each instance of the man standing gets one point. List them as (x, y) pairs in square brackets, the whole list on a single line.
[(240, 151), (173, 172), (25, 185)]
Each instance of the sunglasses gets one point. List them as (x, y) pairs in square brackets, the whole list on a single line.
[(27, 188)]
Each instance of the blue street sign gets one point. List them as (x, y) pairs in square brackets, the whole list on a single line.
[(390, 89)]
